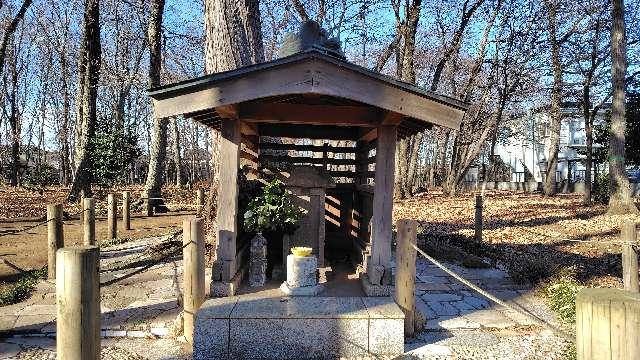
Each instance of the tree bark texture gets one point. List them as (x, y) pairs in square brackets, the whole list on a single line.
[(176, 150), (549, 185), (620, 201), (158, 151), (88, 76)]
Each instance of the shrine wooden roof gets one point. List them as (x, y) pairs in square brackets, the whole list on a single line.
[(308, 88)]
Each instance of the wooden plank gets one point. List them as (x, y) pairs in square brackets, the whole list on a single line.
[(365, 116), (248, 156), (229, 111), (368, 135), (55, 236), (228, 199), (314, 148), (248, 129), (391, 118), (194, 263), (327, 132), (305, 160)]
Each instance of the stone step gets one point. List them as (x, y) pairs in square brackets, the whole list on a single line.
[(249, 327)]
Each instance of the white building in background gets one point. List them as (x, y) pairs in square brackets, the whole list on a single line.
[(527, 154)]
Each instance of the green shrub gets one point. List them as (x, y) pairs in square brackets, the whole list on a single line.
[(21, 289), (601, 189), (40, 177), (530, 269), (561, 292), (113, 153), (273, 210)]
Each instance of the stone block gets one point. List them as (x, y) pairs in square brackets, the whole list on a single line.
[(298, 338), (301, 270)]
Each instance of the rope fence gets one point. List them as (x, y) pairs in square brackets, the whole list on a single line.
[(492, 297)]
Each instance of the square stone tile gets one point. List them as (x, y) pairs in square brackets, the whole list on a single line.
[(217, 308), (300, 307), (382, 308)]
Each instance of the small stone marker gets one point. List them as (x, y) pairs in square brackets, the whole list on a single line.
[(258, 261), (301, 276)]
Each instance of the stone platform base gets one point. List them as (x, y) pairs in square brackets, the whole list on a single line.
[(375, 290), (301, 291), (250, 327), (228, 288)]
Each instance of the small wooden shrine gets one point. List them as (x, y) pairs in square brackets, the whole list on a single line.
[(311, 108)]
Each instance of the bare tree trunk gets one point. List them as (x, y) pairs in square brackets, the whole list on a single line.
[(233, 38), (176, 151), (158, 151), (88, 76), (11, 28), (620, 201), (588, 130), (65, 167), (549, 185)]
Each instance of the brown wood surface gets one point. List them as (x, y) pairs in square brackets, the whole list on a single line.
[(228, 198), (55, 236), (629, 236), (365, 116), (607, 324), (126, 210), (89, 221), (193, 255), (112, 216), (78, 303), (381, 218), (406, 272)]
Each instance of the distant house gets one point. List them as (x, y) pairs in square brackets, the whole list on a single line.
[(527, 152)]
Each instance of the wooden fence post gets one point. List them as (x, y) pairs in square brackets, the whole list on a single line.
[(126, 206), (406, 272), (55, 236), (607, 324), (89, 221), (478, 226), (112, 216), (629, 257), (78, 303), (200, 202), (193, 255), (147, 204)]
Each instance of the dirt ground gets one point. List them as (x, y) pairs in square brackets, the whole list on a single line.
[(28, 250)]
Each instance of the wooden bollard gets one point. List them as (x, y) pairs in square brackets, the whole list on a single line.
[(193, 255), (478, 222), (112, 216), (89, 221), (55, 236), (406, 273), (200, 202), (629, 257), (608, 324), (147, 204), (126, 206), (78, 303)]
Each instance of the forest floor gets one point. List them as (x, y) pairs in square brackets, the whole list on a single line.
[(532, 236)]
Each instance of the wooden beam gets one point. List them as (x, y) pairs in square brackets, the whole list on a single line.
[(228, 111), (248, 129), (305, 160), (391, 118), (309, 114), (326, 132), (369, 135), (227, 208), (314, 148), (380, 262)]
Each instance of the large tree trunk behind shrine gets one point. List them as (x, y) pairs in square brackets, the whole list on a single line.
[(620, 201), (233, 39), (88, 76), (158, 151)]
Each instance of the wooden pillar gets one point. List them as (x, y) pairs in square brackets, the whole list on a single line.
[(112, 217), (78, 303), (227, 199), (629, 257), (478, 218), (126, 206), (406, 272), (89, 221), (55, 236), (200, 201), (193, 255), (607, 324), (379, 271)]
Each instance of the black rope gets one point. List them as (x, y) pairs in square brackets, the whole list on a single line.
[(25, 229)]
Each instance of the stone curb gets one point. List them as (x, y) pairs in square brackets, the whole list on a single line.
[(153, 333)]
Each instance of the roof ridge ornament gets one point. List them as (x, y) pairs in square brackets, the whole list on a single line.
[(310, 36)]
